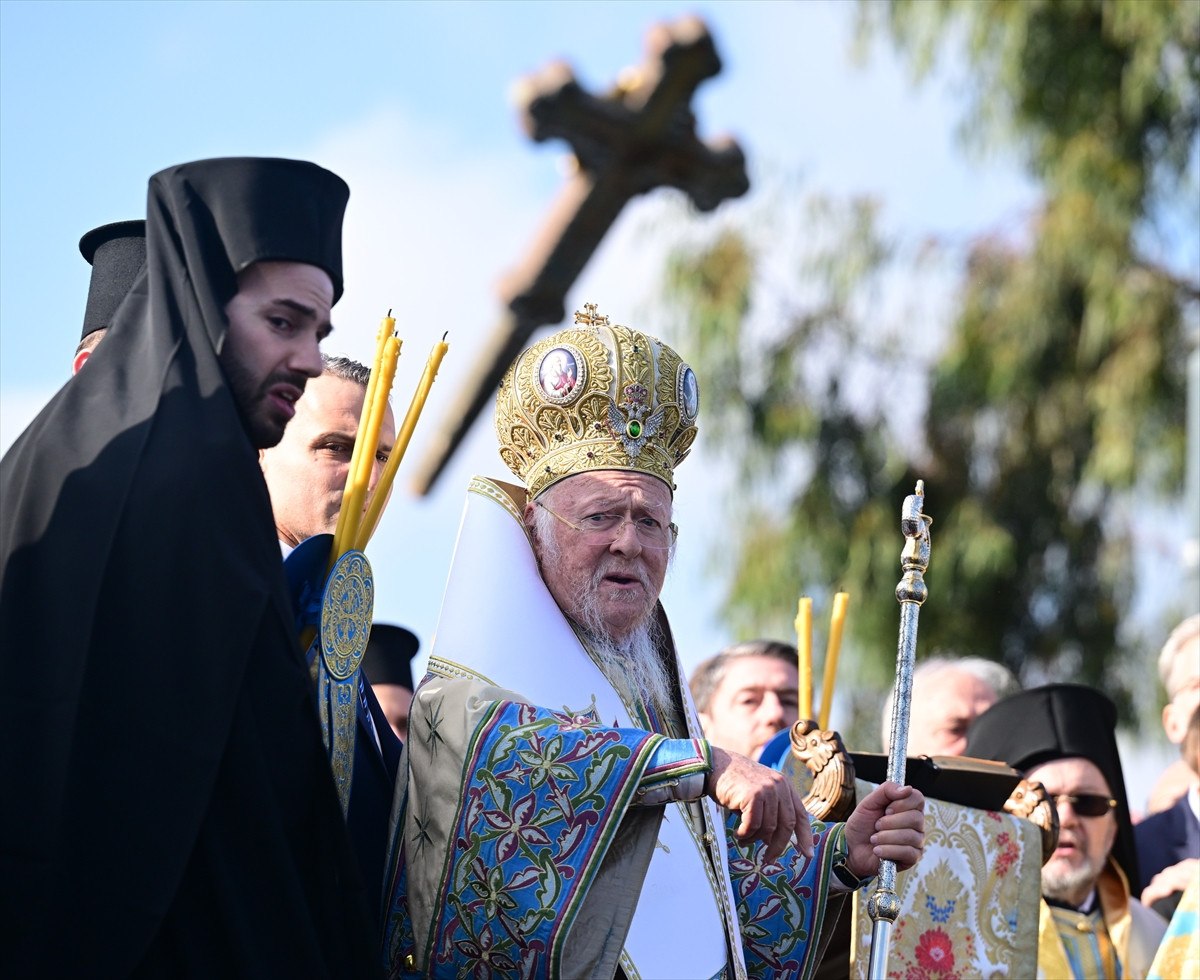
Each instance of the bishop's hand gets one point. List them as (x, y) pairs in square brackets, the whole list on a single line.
[(771, 809), (888, 824)]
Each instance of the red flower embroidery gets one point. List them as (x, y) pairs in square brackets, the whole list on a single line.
[(935, 952), (1009, 852)]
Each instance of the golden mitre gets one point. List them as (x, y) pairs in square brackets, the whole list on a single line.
[(596, 396)]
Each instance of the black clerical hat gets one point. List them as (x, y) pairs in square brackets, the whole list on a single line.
[(388, 659), (116, 253), (256, 209), (1059, 721)]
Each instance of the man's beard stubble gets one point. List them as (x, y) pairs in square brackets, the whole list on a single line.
[(250, 397), (1062, 885), (633, 664)]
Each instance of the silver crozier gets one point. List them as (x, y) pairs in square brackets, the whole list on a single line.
[(884, 905)]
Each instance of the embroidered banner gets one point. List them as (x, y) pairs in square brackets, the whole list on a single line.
[(970, 907)]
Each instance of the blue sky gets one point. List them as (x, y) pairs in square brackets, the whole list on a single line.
[(409, 102)]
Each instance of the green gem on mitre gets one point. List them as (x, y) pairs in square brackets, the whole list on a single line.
[(633, 429)]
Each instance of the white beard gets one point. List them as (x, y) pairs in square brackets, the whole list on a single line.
[(632, 663), (635, 668), (1059, 885)]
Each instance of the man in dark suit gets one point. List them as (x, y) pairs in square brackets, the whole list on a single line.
[(1179, 674), (1168, 843), (306, 474)]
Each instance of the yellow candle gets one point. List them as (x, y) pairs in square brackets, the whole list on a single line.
[(367, 441), (342, 536), (837, 620), (804, 648), (384, 486), (368, 437)]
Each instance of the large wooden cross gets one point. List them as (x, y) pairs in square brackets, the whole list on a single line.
[(640, 136)]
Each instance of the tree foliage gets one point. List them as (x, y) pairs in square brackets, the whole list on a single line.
[(1058, 391)]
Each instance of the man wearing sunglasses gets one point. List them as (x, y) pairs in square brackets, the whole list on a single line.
[(1064, 736), (564, 815)]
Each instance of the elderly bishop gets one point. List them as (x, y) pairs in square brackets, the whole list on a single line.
[(562, 815)]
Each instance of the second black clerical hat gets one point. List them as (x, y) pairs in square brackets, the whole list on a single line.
[(388, 659), (116, 253)]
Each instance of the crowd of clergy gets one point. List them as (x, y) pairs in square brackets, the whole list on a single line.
[(221, 767)]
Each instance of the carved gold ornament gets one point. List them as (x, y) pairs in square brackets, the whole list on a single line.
[(1031, 801)]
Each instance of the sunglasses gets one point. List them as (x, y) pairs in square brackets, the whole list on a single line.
[(1086, 804)]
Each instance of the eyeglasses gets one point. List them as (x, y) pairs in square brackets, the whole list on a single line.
[(1086, 804), (606, 528)]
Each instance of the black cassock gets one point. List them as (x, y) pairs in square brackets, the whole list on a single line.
[(168, 807)]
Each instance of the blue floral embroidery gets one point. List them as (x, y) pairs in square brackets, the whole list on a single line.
[(780, 903), (939, 913), (537, 816)]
